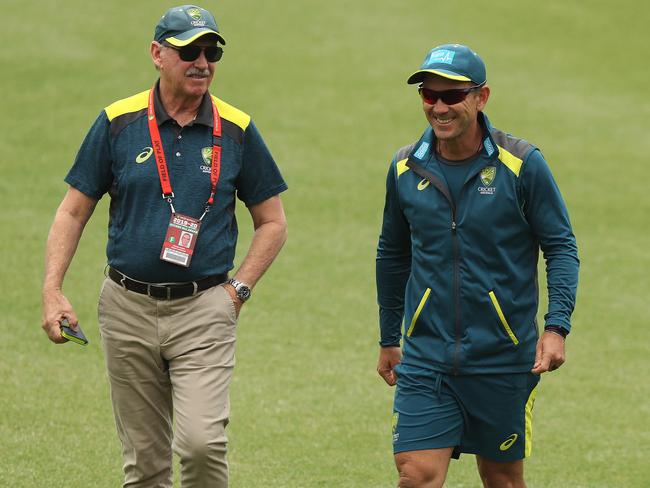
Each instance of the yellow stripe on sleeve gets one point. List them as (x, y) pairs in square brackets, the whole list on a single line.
[(401, 167), (512, 162), (127, 105), (234, 115)]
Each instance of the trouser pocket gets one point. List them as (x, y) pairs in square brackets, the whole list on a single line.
[(418, 311), (502, 318)]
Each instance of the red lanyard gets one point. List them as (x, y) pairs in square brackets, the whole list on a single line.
[(161, 162)]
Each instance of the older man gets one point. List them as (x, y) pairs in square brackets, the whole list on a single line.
[(467, 209), (172, 159)]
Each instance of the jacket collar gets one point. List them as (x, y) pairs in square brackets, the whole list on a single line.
[(426, 145)]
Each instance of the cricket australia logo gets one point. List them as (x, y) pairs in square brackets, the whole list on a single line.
[(196, 21), (195, 13), (487, 176), (206, 155), (395, 433)]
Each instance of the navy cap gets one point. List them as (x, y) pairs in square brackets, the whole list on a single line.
[(452, 61), (182, 25)]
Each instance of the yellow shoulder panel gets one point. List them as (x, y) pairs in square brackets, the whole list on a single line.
[(401, 167), (510, 160), (128, 105), (234, 115)]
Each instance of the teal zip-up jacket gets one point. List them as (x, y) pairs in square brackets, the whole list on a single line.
[(462, 278)]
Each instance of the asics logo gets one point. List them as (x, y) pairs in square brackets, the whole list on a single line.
[(423, 184), (144, 155), (507, 444)]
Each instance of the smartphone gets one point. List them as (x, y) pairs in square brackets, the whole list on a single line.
[(73, 335)]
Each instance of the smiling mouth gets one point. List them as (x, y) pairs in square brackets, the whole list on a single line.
[(443, 121)]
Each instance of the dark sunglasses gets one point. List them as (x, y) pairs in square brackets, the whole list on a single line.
[(191, 52), (448, 97)]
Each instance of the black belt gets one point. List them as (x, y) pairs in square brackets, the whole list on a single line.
[(166, 292)]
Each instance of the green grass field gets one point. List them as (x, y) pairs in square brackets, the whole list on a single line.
[(325, 82)]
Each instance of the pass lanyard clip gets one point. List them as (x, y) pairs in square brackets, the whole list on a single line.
[(161, 162)]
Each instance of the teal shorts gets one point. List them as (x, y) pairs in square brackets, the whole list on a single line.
[(488, 414)]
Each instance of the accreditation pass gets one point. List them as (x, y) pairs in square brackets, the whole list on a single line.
[(180, 240)]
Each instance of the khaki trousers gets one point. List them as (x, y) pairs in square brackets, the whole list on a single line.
[(170, 361)]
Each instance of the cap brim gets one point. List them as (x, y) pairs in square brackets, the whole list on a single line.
[(190, 36), (418, 76)]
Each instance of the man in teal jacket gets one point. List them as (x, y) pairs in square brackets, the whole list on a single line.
[(468, 207)]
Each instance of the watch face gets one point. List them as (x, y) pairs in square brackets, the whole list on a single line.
[(243, 292)]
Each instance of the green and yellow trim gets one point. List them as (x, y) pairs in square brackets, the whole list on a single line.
[(174, 41), (444, 74), (502, 318), (528, 441), (128, 105), (234, 115), (512, 162), (418, 311), (401, 167)]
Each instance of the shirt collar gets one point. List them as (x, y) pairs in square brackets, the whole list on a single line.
[(203, 117)]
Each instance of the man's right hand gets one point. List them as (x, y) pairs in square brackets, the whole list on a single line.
[(389, 357), (56, 307)]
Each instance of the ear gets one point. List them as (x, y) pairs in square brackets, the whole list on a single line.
[(155, 51), (483, 95)]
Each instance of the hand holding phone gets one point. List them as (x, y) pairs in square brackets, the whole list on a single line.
[(74, 335)]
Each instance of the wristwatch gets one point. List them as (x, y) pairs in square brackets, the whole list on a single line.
[(243, 290)]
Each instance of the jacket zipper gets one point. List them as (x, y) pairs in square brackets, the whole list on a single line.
[(442, 188), (457, 327)]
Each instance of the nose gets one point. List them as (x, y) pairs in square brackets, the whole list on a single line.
[(440, 106), (201, 61)]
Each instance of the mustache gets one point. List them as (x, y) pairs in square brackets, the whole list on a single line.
[(199, 72)]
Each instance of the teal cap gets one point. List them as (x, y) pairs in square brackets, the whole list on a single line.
[(452, 61), (180, 26)]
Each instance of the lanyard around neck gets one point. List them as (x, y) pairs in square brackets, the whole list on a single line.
[(161, 162)]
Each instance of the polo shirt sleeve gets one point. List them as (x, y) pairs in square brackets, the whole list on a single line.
[(393, 265), (91, 172), (548, 217), (259, 178)]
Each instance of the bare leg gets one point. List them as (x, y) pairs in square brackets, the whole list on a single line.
[(497, 474), (423, 469)]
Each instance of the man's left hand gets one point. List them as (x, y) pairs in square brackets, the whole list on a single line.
[(233, 296), (549, 354)]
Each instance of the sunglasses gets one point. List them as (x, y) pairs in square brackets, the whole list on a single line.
[(448, 97), (191, 52)]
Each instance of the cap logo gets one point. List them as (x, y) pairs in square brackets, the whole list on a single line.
[(195, 13), (444, 56)]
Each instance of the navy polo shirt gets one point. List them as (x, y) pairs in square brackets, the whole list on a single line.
[(116, 158)]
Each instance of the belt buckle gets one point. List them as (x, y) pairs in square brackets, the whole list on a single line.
[(154, 286)]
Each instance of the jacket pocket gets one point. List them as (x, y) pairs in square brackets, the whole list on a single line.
[(502, 318), (418, 311)]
